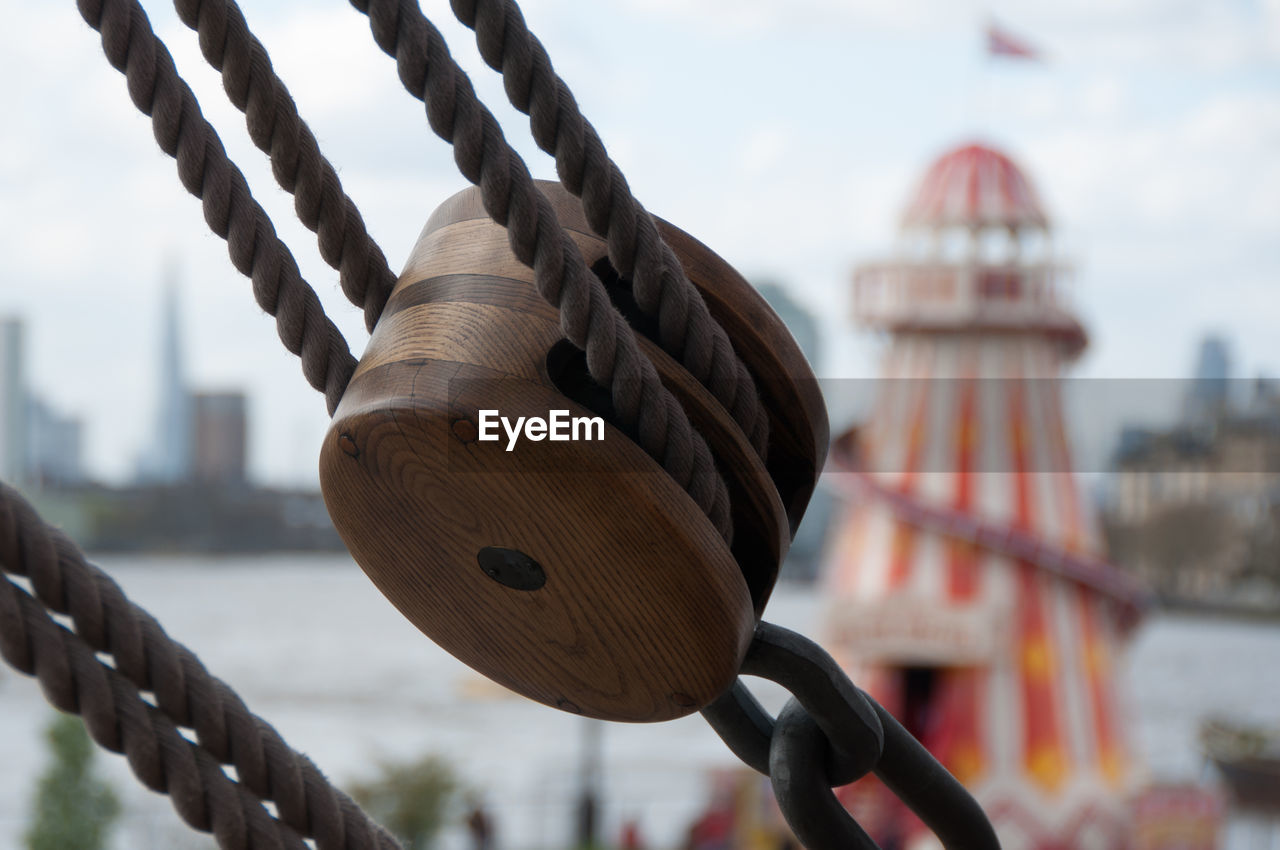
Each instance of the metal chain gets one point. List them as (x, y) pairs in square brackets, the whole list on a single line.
[(831, 733)]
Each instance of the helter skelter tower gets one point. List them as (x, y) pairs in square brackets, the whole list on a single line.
[(964, 582)]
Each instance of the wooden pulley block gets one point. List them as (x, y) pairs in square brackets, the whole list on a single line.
[(551, 553)]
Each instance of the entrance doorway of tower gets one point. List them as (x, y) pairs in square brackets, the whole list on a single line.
[(919, 710)]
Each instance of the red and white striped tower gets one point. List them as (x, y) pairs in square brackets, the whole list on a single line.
[(964, 583)]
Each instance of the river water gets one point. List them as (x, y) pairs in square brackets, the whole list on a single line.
[(315, 649)]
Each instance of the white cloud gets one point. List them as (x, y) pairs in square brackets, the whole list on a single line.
[(759, 16), (1104, 98), (762, 148), (1202, 32)]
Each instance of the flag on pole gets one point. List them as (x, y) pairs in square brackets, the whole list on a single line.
[(1000, 42)]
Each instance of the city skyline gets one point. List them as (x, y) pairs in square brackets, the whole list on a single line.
[(195, 434), (1101, 414)]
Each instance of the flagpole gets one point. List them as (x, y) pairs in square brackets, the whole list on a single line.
[(1003, 45), (980, 120)]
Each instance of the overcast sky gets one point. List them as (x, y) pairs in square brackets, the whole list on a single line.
[(786, 135)]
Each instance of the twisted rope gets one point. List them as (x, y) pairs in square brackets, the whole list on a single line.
[(229, 207), (587, 316), (687, 330), (119, 720), (271, 116), (145, 658)]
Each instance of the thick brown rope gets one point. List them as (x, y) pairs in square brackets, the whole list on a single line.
[(145, 658), (119, 720), (229, 208), (272, 117), (587, 316), (637, 250)]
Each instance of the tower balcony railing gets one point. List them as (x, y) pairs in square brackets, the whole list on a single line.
[(896, 294)]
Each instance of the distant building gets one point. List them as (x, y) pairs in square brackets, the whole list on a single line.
[(1208, 397), (197, 436), (53, 455), (218, 437), (1236, 465), (13, 401), (38, 446), (804, 555), (166, 459), (1195, 509), (797, 318), (1218, 452)]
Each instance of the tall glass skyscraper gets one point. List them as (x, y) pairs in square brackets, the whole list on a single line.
[(166, 458)]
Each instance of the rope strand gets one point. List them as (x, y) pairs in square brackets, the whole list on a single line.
[(119, 720), (272, 119), (637, 250), (587, 316), (229, 207), (147, 659)]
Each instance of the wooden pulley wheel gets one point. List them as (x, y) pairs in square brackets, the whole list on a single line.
[(573, 571)]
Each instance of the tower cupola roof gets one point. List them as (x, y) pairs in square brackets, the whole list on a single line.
[(975, 186)]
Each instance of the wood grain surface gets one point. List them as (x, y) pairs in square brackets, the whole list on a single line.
[(645, 614)]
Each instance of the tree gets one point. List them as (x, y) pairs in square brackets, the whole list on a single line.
[(410, 799), (74, 809)]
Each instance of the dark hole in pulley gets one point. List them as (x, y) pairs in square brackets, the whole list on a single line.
[(567, 371), (567, 364), (623, 297), (792, 472), (511, 567)]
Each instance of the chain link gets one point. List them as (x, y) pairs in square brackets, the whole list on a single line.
[(831, 733)]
